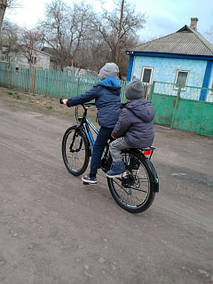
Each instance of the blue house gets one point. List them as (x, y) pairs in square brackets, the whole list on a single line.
[(183, 58)]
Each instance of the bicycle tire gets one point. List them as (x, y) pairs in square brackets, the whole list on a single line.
[(80, 144), (128, 189)]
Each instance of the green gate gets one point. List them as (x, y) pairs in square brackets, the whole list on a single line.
[(178, 108)]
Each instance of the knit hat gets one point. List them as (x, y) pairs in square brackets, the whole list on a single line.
[(108, 70), (135, 90)]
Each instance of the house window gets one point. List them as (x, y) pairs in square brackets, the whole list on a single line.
[(211, 88), (33, 60), (146, 75), (181, 79)]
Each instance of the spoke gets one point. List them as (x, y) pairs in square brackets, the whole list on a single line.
[(138, 200), (75, 157), (137, 189), (120, 186), (143, 179), (134, 188)]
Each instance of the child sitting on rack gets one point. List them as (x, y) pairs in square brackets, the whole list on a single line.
[(134, 128)]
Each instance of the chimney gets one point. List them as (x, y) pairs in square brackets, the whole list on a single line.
[(194, 23)]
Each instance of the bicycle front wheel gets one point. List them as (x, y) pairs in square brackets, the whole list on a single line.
[(75, 151), (135, 191)]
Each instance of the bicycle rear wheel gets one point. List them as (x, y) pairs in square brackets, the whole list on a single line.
[(75, 151), (135, 191)]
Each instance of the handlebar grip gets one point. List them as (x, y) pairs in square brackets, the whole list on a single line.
[(61, 100)]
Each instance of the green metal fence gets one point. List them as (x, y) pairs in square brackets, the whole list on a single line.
[(189, 92), (175, 110), (47, 82)]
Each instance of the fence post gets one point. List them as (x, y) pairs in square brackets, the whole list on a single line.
[(9, 76), (176, 105), (147, 91), (79, 83), (151, 91), (33, 79)]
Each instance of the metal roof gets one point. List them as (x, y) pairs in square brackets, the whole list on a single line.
[(184, 41)]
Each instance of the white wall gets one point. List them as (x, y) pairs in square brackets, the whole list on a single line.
[(19, 59)]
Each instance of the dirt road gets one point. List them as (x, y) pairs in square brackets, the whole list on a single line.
[(54, 230)]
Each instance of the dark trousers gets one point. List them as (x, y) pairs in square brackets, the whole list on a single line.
[(101, 141)]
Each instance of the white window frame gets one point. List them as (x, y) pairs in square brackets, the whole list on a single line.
[(142, 73), (211, 87), (211, 83), (176, 77)]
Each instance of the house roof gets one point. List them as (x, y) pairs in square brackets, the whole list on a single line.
[(184, 41)]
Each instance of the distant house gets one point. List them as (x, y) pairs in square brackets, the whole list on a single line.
[(184, 58), (70, 69), (53, 62), (40, 59)]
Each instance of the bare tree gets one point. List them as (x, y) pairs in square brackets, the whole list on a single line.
[(117, 49), (30, 42), (10, 38), (117, 27), (4, 4), (65, 29), (209, 35)]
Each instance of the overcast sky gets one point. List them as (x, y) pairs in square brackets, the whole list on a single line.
[(162, 16)]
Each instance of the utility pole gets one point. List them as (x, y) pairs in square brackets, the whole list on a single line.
[(117, 51)]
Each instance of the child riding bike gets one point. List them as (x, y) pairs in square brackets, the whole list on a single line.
[(134, 128), (107, 99)]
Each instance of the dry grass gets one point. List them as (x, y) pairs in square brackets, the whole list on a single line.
[(41, 103)]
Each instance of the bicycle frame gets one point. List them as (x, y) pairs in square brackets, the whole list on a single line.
[(87, 125)]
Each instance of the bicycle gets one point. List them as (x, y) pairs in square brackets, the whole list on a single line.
[(134, 191)]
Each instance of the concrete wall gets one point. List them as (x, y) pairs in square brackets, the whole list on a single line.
[(165, 70), (43, 60), (19, 59), (210, 93)]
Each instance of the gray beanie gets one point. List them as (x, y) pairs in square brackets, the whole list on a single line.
[(135, 90), (108, 70)]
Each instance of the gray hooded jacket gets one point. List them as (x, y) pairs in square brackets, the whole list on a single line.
[(135, 123)]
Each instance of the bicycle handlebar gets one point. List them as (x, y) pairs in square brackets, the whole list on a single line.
[(88, 104), (83, 105)]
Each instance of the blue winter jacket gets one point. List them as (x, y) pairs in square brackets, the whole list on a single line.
[(107, 99), (135, 123)]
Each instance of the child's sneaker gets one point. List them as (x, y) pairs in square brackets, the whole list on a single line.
[(89, 180), (117, 170)]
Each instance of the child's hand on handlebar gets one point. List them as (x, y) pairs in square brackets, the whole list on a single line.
[(63, 101)]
